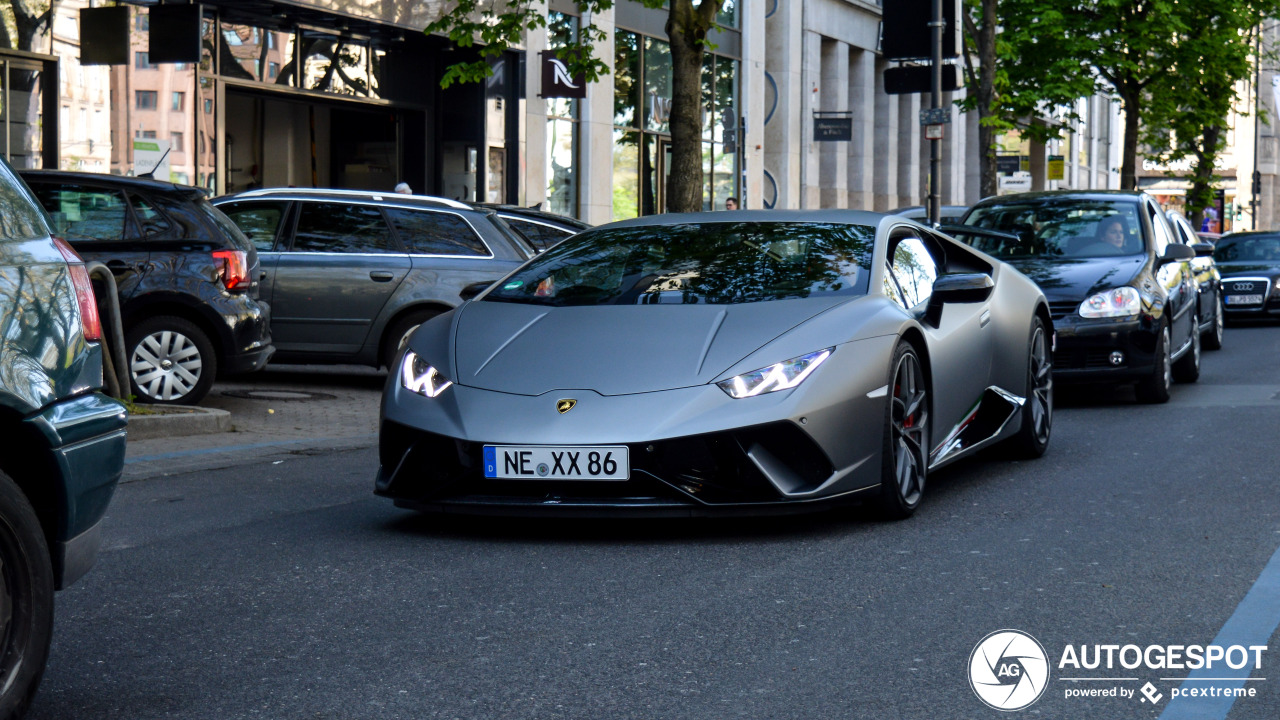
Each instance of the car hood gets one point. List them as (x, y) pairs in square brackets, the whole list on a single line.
[(1075, 279), (614, 350)]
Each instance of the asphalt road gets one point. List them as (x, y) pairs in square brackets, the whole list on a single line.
[(285, 589)]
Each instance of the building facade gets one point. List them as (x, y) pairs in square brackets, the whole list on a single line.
[(346, 93)]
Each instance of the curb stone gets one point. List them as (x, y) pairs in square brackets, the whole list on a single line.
[(177, 421)]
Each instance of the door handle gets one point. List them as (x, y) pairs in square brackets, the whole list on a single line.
[(380, 276)]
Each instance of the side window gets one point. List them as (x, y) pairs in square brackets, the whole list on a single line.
[(150, 221), (84, 212), (891, 287), (539, 236), (426, 232), (1161, 227), (915, 270), (334, 228), (259, 221)]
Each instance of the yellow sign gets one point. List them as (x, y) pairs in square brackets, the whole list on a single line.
[(1057, 167)]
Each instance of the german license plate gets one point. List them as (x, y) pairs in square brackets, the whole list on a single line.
[(1244, 299), (553, 462)]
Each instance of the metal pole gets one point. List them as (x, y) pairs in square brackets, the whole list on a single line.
[(935, 102)]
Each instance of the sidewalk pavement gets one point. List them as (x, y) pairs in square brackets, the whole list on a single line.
[(283, 411)]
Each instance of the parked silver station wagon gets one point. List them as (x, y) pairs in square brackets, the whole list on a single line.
[(349, 274)]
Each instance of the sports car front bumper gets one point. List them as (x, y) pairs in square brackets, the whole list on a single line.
[(693, 451)]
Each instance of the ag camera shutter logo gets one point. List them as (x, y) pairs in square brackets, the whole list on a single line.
[(1008, 670)]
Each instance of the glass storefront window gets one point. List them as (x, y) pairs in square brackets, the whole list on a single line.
[(728, 15), (626, 79), (562, 150), (657, 85), (249, 52), (331, 63), (626, 174), (562, 129)]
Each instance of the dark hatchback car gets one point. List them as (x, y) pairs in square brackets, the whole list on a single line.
[(187, 278), (63, 440), (542, 229), (350, 274), (1121, 289), (1250, 267)]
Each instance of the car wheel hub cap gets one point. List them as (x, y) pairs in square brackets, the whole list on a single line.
[(166, 365)]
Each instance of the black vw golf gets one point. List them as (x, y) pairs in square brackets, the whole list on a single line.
[(1121, 291)]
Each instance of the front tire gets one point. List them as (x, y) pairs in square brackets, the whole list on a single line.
[(171, 361), (26, 601), (1187, 368), (1032, 439), (1155, 388), (904, 463)]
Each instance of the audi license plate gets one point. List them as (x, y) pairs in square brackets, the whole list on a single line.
[(553, 462), (1244, 299)]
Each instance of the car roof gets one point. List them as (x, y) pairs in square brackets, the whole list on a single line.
[(124, 181), (331, 193), (855, 217), (1040, 195), (534, 214)]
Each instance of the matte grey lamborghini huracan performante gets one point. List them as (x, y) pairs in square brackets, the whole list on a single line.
[(743, 362)]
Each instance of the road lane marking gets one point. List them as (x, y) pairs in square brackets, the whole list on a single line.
[(1253, 623)]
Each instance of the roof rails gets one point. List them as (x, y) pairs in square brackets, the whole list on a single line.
[(375, 194)]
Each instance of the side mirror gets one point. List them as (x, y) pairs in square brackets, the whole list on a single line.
[(962, 288), (471, 291), (1175, 253), (1202, 249), (957, 288)]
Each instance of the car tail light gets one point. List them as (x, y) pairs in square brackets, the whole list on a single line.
[(90, 325), (234, 268)]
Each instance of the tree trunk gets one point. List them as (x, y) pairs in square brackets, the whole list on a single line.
[(1201, 194), (687, 29), (1131, 101), (988, 182)]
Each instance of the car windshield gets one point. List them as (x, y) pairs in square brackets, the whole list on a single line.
[(710, 263), (1261, 248), (1058, 227)]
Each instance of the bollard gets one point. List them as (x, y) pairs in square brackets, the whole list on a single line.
[(114, 367)]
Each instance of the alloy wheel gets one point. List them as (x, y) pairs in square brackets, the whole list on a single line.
[(1042, 386), (1167, 359), (166, 365), (910, 422)]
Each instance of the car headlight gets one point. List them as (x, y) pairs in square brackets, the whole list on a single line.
[(1116, 302), (781, 376), (416, 375)]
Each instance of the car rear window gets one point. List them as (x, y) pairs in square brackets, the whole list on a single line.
[(1248, 248), (224, 224), (258, 220), (539, 235), (710, 263)]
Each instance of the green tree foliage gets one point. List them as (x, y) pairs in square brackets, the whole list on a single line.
[(1026, 68), (495, 26), (24, 24), (1194, 99)]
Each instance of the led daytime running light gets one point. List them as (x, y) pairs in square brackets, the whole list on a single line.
[(780, 376), (416, 375)]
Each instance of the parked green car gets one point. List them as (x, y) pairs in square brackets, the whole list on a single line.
[(62, 442)]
